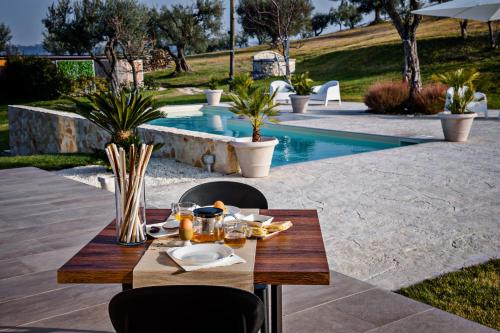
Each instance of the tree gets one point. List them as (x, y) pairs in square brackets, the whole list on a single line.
[(319, 22), (128, 21), (232, 38), (188, 27), (5, 37), (368, 6), (278, 20), (348, 14), (406, 24), (84, 26)]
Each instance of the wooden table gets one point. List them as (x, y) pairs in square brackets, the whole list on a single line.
[(296, 256)]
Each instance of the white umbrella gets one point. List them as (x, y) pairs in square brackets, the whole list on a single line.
[(479, 10)]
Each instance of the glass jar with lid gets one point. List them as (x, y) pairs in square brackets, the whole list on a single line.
[(207, 225)]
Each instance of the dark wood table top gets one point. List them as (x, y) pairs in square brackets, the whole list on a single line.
[(296, 256)]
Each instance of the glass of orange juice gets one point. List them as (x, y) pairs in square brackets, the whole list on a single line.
[(183, 210)]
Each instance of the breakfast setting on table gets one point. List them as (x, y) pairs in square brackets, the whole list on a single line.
[(218, 241)]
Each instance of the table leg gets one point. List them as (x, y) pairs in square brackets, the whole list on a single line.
[(262, 292), (276, 309), (126, 286)]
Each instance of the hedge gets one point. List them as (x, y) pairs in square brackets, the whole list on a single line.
[(75, 69)]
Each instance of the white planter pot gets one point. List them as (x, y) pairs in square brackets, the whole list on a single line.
[(456, 127), (213, 96), (255, 157), (299, 103), (107, 183)]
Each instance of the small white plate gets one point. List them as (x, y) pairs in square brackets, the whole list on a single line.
[(171, 223), (202, 254), (256, 220), (162, 232)]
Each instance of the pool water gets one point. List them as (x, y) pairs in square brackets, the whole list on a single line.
[(296, 144)]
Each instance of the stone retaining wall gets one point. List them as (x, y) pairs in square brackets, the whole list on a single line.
[(34, 130)]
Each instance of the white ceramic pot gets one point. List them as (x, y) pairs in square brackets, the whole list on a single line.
[(213, 96), (255, 157), (299, 103), (456, 127)]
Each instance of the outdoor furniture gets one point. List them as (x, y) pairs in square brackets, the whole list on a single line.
[(478, 105), (295, 257), (143, 310), (284, 90), (329, 91), (231, 193)]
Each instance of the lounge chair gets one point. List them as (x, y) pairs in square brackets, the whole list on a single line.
[(329, 91), (284, 90), (478, 104)]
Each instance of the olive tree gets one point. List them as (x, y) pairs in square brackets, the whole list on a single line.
[(319, 22), (5, 37), (406, 24), (95, 27), (188, 27), (279, 20)]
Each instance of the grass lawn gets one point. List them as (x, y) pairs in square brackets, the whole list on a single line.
[(360, 57), (472, 293)]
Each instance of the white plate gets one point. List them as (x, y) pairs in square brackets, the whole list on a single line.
[(256, 220), (171, 223), (202, 254)]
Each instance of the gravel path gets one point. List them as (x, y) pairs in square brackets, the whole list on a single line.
[(160, 171)]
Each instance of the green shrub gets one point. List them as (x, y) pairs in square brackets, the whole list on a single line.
[(33, 78), (151, 84), (76, 69)]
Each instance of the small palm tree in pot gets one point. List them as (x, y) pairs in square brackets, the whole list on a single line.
[(457, 119), (303, 87), (257, 105), (212, 93)]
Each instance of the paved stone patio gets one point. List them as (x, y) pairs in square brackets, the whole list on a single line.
[(46, 219), (392, 217)]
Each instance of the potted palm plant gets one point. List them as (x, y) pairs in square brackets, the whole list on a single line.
[(118, 114), (457, 119), (302, 85), (254, 153), (212, 93)]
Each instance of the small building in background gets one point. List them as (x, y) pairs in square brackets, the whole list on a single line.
[(269, 63)]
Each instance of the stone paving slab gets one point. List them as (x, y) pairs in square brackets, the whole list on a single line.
[(32, 301), (398, 216)]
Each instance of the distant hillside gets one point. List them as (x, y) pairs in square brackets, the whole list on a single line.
[(31, 49), (361, 56)]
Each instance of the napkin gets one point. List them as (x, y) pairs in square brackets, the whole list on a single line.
[(231, 260)]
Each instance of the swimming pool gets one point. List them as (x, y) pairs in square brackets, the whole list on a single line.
[(296, 144)]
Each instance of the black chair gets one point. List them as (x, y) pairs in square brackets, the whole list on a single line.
[(231, 193), (186, 309)]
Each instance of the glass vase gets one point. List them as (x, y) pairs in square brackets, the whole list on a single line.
[(130, 215)]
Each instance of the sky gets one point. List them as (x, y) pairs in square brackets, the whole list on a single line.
[(24, 17)]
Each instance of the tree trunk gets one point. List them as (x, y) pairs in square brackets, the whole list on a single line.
[(177, 62), (232, 35), (287, 58), (255, 135), (411, 70), (463, 29), (135, 82), (377, 18), (493, 41), (181, 54)]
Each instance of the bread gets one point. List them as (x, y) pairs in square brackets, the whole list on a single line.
[(279, 226), (258, 231)]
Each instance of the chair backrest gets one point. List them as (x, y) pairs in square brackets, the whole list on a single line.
[(327, 85), (280, 86), (231, 193), (186, 309)]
